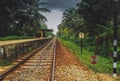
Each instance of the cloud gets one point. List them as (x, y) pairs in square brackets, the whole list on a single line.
[(57, 7), (61, 4), (54, 18)]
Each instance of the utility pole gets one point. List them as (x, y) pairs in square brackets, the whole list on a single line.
[(81, 36), (115, 32)]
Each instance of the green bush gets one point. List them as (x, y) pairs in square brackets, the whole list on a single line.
[(5, 63), (77, 41), (25, 37), (10, 38), (14, 38)]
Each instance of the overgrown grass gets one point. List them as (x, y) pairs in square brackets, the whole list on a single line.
[(104, 65)]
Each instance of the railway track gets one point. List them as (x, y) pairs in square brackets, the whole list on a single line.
[(37, 67)]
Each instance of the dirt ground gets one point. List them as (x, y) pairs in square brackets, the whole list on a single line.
[(69, 68)]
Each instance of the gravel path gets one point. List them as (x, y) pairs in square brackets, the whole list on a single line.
[(69, 68)]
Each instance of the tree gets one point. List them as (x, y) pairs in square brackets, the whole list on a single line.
[(98, 15), (18, 14), (96, 12), (72, 22)]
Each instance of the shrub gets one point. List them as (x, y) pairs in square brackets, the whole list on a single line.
[(15, 38), (25, 37), (5, 63), (10, 38)]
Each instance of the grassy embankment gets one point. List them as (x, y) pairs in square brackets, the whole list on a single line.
[(104, 65)]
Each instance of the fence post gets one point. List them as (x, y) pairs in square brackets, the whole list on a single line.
[(2, 53)]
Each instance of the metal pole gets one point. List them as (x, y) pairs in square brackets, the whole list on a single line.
[(115, 42), (96, 45), (81, 45)]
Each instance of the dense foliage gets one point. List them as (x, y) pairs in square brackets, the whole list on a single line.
[(95, 19), (21, 17)]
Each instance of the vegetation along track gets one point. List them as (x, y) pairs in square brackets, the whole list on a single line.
[(39, 67)]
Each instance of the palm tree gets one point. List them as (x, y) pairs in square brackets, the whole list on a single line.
[(18, 13)]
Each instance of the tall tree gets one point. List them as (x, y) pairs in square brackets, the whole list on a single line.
[(96, 12), (72, 22), (15, 14), (98, 15)]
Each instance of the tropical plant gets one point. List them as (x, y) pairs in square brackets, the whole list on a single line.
[(18, 15)]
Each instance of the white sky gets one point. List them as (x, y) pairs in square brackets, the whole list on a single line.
[(54, 19)]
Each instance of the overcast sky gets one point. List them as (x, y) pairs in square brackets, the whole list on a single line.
[(57, 7)]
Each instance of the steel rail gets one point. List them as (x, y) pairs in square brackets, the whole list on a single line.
[(17, 65), (53, 63)]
